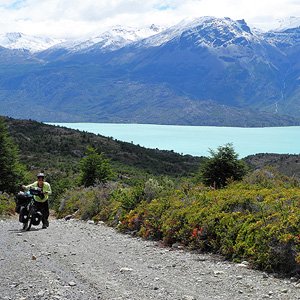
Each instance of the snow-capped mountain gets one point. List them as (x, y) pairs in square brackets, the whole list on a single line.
[(110, 39), (286, 35), (224, 36), (287, 23), (204, 31), (20, 41), (203, 43), (203, 71), (114, 38)]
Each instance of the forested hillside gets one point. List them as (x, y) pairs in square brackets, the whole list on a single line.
[(287, 164), (50, 148)]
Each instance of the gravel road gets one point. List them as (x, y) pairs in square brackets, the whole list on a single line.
[(77, 260)]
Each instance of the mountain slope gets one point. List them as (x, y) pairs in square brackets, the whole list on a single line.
[(63, 149), (206, 71)]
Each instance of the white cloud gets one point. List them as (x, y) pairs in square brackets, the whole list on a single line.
[(62, 18)]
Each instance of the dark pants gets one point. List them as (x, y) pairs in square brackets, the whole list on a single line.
[(43, 207)]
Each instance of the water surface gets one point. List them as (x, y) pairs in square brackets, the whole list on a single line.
[(196, 140)]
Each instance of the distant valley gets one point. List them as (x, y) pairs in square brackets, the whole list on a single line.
[(208, 71)]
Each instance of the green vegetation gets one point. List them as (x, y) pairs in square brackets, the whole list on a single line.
[(94, 168), (7, 204), (59, 149), (220, 209), (11, 171), (222, 166)]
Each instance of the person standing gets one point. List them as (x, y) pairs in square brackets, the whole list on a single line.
[(41, 200)]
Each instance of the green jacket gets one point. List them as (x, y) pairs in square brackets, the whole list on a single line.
[(46, 188)]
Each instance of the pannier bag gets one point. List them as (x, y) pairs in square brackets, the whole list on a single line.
[(23, 217), (22, 200), (36, 219), (17, 209)]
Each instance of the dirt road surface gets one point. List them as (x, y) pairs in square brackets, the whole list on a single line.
[(78, 260)]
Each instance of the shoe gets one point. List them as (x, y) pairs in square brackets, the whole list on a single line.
[(44, 226)]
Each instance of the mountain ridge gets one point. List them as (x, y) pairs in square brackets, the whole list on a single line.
[(13, 40), (121, 76)]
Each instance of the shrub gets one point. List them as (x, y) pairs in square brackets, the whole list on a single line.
[(7, 205), (223, 165), (95, 203), (94, 168), (12, 172)]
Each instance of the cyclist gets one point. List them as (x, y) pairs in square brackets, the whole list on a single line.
[(41, 200)]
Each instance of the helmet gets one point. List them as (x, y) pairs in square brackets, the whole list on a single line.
[(40, 175)]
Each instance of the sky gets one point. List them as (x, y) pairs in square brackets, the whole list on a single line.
[(74, 18)]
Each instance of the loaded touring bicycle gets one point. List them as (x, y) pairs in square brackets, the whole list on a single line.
[(26, 208)]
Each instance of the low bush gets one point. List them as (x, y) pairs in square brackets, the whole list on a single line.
[(94, 203), (7, 204)]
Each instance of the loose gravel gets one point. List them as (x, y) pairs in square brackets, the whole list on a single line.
[(79, 260)]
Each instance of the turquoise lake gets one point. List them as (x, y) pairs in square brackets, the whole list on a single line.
[(196, 140)]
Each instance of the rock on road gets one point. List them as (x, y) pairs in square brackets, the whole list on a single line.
[(77, 260)]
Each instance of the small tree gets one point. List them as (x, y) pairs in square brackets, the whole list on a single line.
[(222, 166), (94, 167), (11, 171)]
